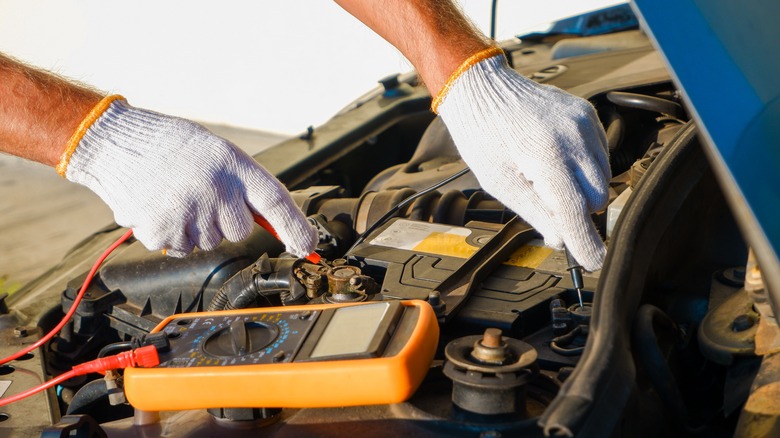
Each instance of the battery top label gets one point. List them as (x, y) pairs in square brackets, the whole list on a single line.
[(426, 237)]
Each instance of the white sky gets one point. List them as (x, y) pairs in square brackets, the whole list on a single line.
[(271, 65)]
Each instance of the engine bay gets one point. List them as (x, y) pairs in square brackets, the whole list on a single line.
[(517, 352)]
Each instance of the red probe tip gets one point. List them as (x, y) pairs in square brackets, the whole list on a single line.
[(260, 220)]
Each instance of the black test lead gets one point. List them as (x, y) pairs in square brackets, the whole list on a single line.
[(576, 274)]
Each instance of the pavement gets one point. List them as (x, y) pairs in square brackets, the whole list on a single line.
[(43, 215)]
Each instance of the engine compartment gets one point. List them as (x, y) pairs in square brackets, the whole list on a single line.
[(642, 373)]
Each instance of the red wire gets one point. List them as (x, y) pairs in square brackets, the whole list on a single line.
[(143, 356), (313, 257), (73, 307), (45, 385)]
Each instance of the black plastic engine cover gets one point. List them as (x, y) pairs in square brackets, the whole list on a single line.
[(411, 258), (137, 288)]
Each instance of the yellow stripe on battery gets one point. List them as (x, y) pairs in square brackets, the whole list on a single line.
[(529, 256), (453, 245), (446, 244)]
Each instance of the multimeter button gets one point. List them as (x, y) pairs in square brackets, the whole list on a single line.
[(241, 338), (279, 357)]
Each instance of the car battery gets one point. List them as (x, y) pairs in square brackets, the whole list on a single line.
[(411, 258)]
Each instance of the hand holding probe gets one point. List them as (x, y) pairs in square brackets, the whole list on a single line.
[(260, 220)]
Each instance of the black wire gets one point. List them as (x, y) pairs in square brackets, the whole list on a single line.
[(115, 348), (560, 343), (403, 204), (563, 351)]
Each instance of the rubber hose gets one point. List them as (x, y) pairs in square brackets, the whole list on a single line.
[(603, 379), (645, 102), (646, 346), (88, 394), (218, 302), (615, 129), (238, 291), (621, 156)]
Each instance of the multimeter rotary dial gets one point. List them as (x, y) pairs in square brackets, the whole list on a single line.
[(240, 338)]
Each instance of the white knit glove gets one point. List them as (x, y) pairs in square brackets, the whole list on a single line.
[(539, 150), (176, 184)]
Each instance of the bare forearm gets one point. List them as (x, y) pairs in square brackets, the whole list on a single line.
[(433, 34), (39, 112)]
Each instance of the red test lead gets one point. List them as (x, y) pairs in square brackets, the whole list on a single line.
[(73, 306), (140, 357)]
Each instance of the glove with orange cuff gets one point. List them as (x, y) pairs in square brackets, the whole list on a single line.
[(539, 150), (177, 185)]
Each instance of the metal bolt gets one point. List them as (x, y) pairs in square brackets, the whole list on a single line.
[(434, 298), (492, 338), (742, 323), (20, 332), (491, 348)]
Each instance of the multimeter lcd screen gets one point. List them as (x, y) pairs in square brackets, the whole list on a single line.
[(350, 330)]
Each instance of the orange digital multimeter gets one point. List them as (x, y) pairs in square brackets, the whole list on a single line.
[(294, 357)]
